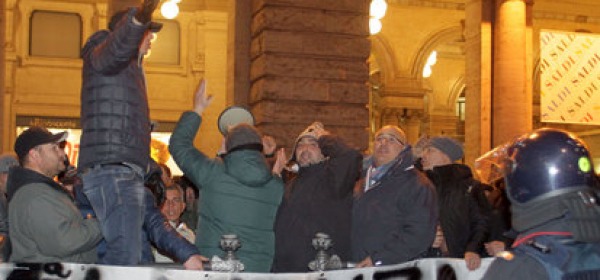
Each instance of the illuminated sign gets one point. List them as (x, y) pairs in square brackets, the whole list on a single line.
[(570, 77)]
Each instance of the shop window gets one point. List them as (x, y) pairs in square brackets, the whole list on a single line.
[(55, 34)]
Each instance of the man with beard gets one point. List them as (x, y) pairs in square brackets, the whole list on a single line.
[(45, 225), (319, 199)]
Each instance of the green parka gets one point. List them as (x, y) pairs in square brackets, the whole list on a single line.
[(239, 195)]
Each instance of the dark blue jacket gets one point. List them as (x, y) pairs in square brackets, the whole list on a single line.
[(395, 221), (114, 105)]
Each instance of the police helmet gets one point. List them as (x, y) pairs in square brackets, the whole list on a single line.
[(546, 163)]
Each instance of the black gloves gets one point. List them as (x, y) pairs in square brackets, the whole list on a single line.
[(144, 13)]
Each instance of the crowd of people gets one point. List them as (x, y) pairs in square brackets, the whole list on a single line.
[(396, 205)]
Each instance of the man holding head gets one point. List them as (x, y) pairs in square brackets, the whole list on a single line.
[(45, 224), (115, 143), (318, 199), (395, 211)]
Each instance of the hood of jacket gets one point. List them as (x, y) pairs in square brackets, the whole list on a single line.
[(19, 177), (249, 167)]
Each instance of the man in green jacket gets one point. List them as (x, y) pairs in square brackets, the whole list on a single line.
[(45, 225), (239, 193)]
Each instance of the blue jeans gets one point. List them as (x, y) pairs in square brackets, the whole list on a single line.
[(116, 192)]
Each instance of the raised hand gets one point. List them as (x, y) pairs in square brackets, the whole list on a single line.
[(317, 129), (201, 99), (280, 161), (269, 145), (144, 14)]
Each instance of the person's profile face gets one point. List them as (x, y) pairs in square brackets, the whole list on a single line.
[(50, 158), (190, 197), (433, 157)]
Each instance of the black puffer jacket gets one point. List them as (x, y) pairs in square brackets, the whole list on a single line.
[(114, 105), (319, 200), (465, 227)]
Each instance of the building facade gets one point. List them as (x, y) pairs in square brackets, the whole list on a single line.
[(292, 62)]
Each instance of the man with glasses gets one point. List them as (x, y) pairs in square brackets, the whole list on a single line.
[(395, 211)]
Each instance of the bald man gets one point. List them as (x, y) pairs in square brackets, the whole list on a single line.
[(395, 213)]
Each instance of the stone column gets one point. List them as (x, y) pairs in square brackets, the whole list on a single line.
[(309, 63), (512, 98), (4, 97), (478, 73), (238, 56)]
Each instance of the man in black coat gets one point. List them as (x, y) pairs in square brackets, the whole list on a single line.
[(318, 199), (462, 226)]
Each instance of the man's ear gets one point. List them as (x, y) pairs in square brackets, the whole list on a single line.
[(33, 154)]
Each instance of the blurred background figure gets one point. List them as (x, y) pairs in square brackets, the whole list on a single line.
[(165, 174), (6, 162), (69, 177), (191, 196), (497, 207)]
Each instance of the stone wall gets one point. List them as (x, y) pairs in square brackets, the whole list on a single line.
[(309, 63)]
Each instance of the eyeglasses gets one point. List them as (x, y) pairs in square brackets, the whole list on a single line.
[(387, 138)]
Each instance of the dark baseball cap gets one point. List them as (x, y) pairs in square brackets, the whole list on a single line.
[(35, 136)]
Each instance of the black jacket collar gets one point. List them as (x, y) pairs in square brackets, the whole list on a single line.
[(19, 177)]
